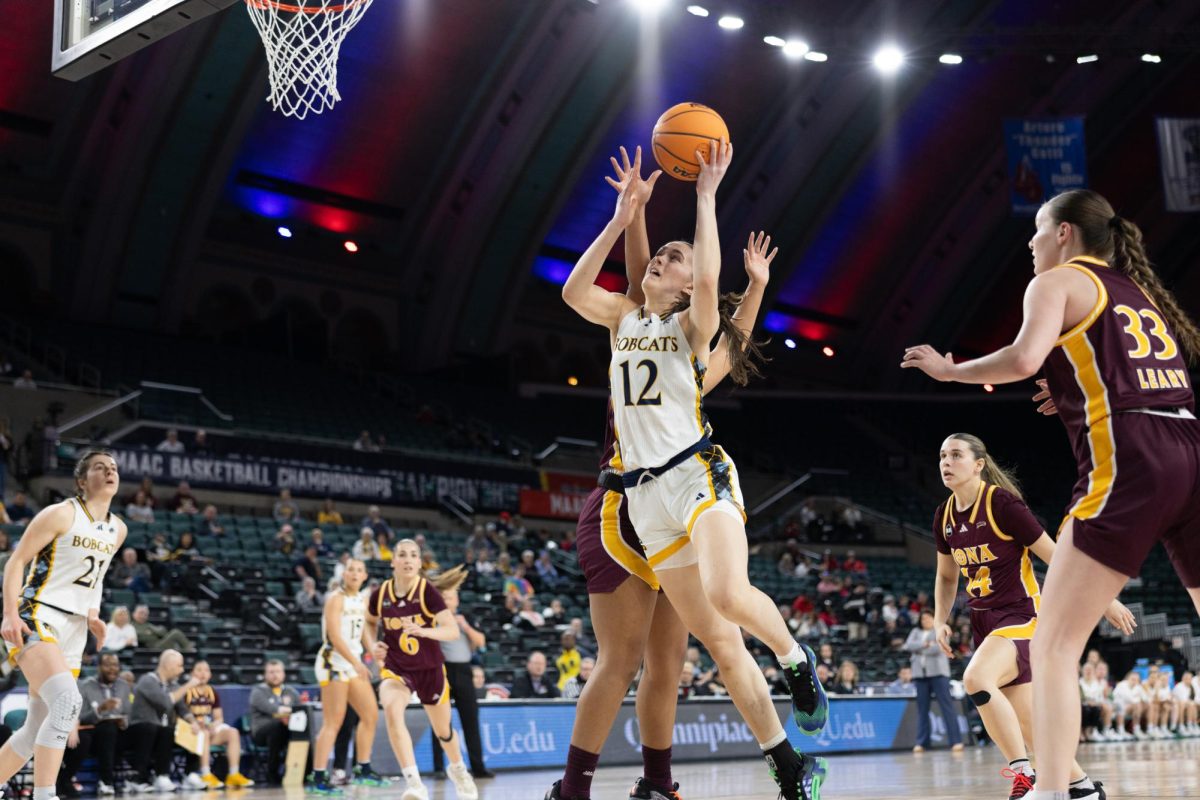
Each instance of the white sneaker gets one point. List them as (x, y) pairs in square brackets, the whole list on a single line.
[(1139, 734), (464, 784), (194, 782), (133, 787), (415, 791), (104, 790), (164, 784), (338, 777), (1097, 736)]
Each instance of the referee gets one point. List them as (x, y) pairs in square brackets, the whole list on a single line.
[(462, 688)]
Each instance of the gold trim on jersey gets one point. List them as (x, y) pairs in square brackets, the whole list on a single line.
[(615, 545), (1101, 299), (1029, 581), (992, 520), (1082, 356), (952, 506), (424, 608)]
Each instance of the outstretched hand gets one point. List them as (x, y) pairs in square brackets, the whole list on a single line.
[(929, 361), (1048, 408), (630, 175), (713, 165), (758, 256)]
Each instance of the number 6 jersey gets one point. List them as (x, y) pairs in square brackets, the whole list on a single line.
[(990, 543), (420, 605), (68, 574)]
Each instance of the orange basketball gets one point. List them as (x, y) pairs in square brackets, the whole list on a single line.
[(680, 132)]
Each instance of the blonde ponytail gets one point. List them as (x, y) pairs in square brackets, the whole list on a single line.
[(992, 473)]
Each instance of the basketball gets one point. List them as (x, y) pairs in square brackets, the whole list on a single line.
[(682, 130)]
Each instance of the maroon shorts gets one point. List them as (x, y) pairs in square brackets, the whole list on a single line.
[(429, 686), (1143, 486), (608, 547), (1016, 623)]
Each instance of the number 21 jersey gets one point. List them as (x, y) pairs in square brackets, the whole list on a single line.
[(68, 574)]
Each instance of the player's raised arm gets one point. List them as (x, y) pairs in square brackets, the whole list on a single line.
[(580, 291), (703, 317), (757, 258), (637, 241)]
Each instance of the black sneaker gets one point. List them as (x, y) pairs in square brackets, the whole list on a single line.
[(644, 790), (555, 793), (800, 778), (810, 705), (1096, 793)]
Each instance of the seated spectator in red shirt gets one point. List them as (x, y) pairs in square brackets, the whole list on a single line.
[(827, 616), (830, 562), (802, 605), (853, 564)]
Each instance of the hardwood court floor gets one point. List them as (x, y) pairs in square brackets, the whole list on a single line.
[(1129, 770)]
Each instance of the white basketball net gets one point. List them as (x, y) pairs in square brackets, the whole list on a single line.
[(302, 39)]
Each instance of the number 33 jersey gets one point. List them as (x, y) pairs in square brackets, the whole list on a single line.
[(990, 543), (656, 384), (68, 574)]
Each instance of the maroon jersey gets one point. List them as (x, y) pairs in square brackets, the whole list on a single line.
[(990, 543), (1122, 356), (421, 604)]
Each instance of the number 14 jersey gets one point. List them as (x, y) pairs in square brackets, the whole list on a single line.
[(68, 574), (990, 543)]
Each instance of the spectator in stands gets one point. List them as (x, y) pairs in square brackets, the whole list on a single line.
[(308, 599), (182, 492), (1130, 703), (285, 539), (307, 565), (329, 515), (429, 562), (826, 615), (1185, 696), (479, 680), (158, 637), (139, 509), (889, 612), (271, 706), (375, 521), (383, 546), (120, 632), (690, 685), (829, 585), (5, 550), (517, 584), (826, 656), (533, 682), (846, 681), (786, 566), (554, 613), (19, 511), (285, 511), (574, 687), (205, 704), (317, 541), (365, 548), (853, 564), (810, 626), (585, 643), (364, 443), (187, 507), (171, 444), (825, 676), (931, 673), (209, 524), (854, 613), (146, 487), (157, 698), (186, 548), (568, 660), (850, 518), (789, 617), (103, 720), (903, 683), (528, 616), (479, 542), (200, 445), (1097, 711), (25, 381), (504, 564), (340, 567), (548, 573)]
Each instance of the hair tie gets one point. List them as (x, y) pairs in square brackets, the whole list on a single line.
[(1114, 222)]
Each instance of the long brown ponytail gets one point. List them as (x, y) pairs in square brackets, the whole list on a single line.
[(1119, 241), (745, 353), (451, 579), (992, 473)]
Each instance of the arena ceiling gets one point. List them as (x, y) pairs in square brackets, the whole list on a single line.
[(467, 158)]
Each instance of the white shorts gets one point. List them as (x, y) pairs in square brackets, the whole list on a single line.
[(46, 624), (331, 666), (663, 510)]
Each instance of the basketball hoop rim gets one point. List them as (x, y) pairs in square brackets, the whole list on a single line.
[(267, 5)]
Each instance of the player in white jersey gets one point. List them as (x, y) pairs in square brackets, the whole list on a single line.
[(345, 678), (47, 618), (682, 490)]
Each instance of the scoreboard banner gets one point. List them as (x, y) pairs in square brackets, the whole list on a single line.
[(1046, 157), (1179, 152)]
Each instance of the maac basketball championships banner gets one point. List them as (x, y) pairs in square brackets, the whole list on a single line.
[(555, 505), (1046, 156), (1179, 151), (414, 482)]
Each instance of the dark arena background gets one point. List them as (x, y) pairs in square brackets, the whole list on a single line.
[(295, 322)]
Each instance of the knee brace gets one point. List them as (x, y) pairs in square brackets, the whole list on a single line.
[(980, 698), (22, 741), (63, 701), (446, 739)]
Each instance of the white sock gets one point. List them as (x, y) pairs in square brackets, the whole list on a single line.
[(772, 742), (794, 657), (44, 792), (412, 775), (1083, 783), (1038, 794), (1022, 766), (205, 770)]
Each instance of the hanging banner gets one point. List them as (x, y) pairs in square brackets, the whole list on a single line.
[(555, 505), (1046, 157), (1179, 152)]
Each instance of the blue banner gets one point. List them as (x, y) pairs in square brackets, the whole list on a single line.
[(1046, 157)]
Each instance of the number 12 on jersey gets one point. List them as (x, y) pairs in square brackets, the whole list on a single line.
[(651, 376)]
